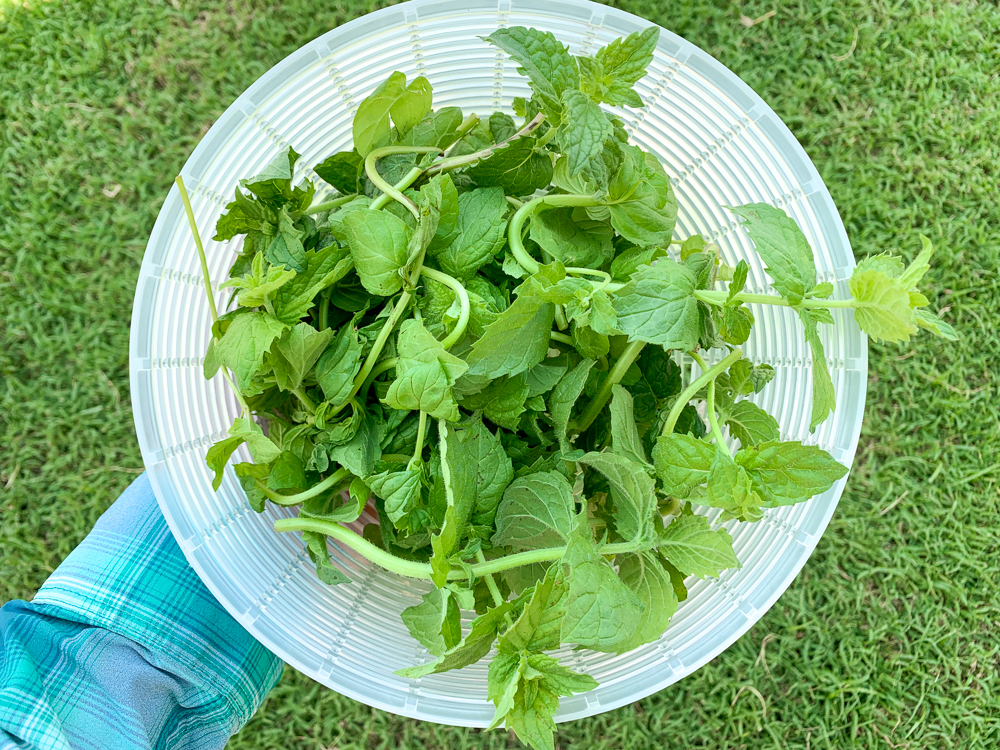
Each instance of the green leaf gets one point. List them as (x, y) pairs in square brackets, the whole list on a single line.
[(425, 374), (729, 488), (258, 287), (218, 456), (341, 170), (295, 353), (320, 554), (643, 574), (544, 376), (502, 401), (736, 324), (436, 622), (584, 243), (789, 472), (488, 470), (628, 261), (359, 454), (633, 492), (339, 364), (739, 281), (751, 425), (781, 244), (378, 242), (882, 306), (541, 57), (406, 103), (273, 184), (924, 319), (285, 248), (658, 306), (443, 545), (538, 626), (536, 512), (437, 128), (690, 544), (641, 201), (517, 341), (682, 463), (244, 344), (564, 397), (518, 169), (623, 62), (583, 130), (481, 232), (323, 268), (399, 489), (914, 273), (625, 439), (243, 215), (600, 610), (823, 398)]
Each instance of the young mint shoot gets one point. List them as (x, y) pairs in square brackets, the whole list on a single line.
[(480, 333)]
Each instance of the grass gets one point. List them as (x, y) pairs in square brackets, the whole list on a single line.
[(887, 639)]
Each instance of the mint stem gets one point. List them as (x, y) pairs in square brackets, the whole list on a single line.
[(562, 338), (372, 171), (285, 500), (696, 385), (327, 205), (463, 299), (713, 418), (720, 298), (421, 436), (455, 162), (597, 404), (383, 200), (386, 364), (412, 569), (303, 397), (522, 214)]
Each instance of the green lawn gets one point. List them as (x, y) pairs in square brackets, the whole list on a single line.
[(889, 636)]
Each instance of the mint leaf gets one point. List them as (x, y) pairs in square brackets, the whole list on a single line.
[(930, 322), (273, 184), (544, 376), (285, 248), (645, 576), (295, 353), (632, 490), (536, 511), (218, 456), (883, 306), (545, 60), (378, 242), (443, 545), (736, 324), (487, 470), (583, 130), (502, 401), (437, 621), (341, 170), (627, 261), (325, 267), (243, 216), (658, 306), (399, 489), (623, 62), (823, 398), (538, 626), (518, 169), (244, 344), (789, 472), (516, 341), (359, 454), (437, 128), (750, 424), (781, 244), (320, 555), (625, 440), (258, 287), (339, 364), (601, 611), (407, 103), (481, 232), (690, 544), (920, 265), (575, 243), (682, 463), (564, 397), (641, 202), (425, 374), (729, 489)]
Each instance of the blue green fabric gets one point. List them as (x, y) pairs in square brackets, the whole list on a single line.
[(123, 647)]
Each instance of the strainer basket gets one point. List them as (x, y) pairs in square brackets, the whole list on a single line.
[(721, 145)]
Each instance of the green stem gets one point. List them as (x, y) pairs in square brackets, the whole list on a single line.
[(421, 435), (412, 569), (324, 308), (317, 489), (395, 458), (604, 276), (386, 364), (562, 338), (319, 208), (307, 402), (720, 298), (713, 418), (463, 299), (186, 200), (696, 385), (596, 405), (494, 589), (408, 179), (390, 324), (470, 121), (372, 171), (561, 322), (455, 162), (522, 214)]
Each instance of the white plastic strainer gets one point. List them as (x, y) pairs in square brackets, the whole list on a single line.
[(722, 146)]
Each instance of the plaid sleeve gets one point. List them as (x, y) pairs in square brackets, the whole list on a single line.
[(123, 648)]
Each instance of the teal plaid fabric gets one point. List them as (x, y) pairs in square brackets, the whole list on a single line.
[(124, 648)]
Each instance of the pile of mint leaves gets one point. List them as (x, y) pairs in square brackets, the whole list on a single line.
[(479, 333)]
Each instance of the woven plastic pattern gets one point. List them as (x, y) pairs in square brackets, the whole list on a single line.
[(722, 146)]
